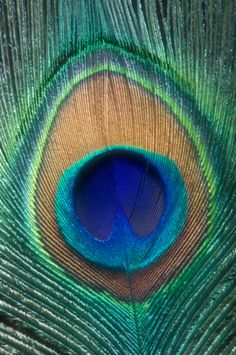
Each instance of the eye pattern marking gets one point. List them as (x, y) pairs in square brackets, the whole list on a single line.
[(112, 129)]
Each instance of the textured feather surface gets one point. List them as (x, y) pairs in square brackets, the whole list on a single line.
[(117, 167)]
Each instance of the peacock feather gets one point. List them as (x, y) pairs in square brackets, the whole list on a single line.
[(117, 166)]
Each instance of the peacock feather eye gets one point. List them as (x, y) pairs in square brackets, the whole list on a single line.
[(117, 165)]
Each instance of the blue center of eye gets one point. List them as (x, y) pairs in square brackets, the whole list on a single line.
[(115, 184), (121, 207)]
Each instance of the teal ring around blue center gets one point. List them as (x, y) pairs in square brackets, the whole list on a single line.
[(123, 249)]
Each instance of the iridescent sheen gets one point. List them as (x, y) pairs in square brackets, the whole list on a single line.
[(117, 171)]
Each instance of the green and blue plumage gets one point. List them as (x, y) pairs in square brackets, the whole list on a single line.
[(117, 171)]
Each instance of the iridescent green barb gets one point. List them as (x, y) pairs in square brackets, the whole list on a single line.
[(117, 165)]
